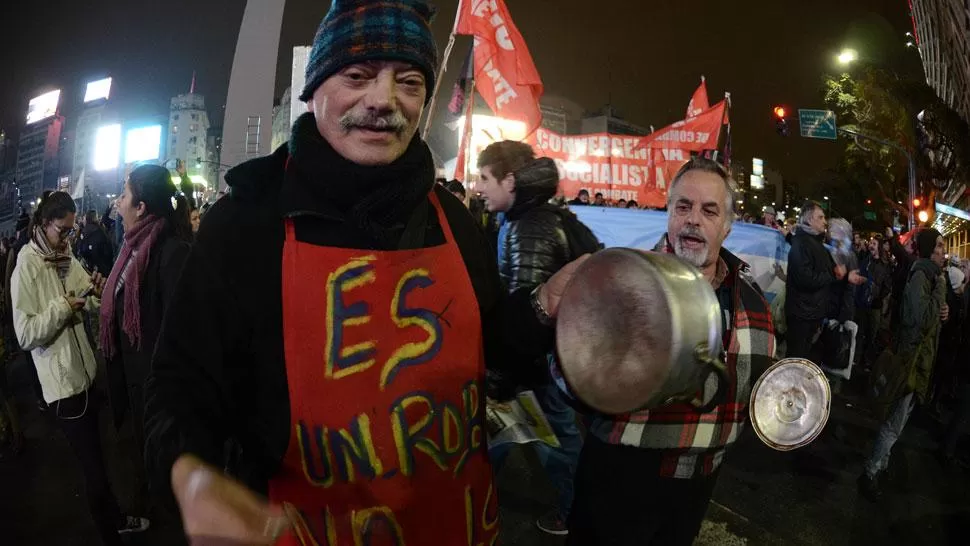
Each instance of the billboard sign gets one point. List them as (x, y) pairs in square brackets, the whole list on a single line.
[(107, 147), (43, 107), (98, 90), (143, 144)]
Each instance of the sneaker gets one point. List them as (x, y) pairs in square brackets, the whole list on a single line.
[(134, 525), (869, 488), (553, 524)]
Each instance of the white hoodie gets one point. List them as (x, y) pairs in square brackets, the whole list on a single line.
[(48, 327)]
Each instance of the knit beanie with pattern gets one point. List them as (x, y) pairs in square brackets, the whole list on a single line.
[(355, 31)]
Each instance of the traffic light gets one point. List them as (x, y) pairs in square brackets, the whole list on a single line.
[(924, 206), (781, 120)]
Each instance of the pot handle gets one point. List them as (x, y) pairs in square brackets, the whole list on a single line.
[(723, 378)]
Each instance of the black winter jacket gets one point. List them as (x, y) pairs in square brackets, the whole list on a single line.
[(95, 250), (231, 388), (534, 248), (810, 276), (129, 368)]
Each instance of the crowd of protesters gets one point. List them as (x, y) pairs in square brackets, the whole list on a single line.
[(365, 309)]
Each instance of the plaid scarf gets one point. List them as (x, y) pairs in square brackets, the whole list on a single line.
[(689, 443), (61, 260)]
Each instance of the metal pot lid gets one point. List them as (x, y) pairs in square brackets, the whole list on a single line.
[(790, 404)]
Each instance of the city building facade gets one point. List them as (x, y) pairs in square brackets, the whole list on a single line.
[(281, 120), (943, 37), (37, 158), (607, 121), (188, 132)]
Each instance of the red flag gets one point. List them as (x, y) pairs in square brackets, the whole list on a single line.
[(505, 75), (696, 134), (698, 103)]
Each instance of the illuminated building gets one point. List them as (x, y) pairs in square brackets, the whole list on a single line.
[(37, 157), (188, 131)]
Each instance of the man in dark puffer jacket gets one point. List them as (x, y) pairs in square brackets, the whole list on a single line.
[(537, 240)]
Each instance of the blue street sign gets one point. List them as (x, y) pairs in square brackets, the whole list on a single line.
[(817, 124)]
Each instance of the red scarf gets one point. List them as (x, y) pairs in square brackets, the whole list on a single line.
[(139, 240)]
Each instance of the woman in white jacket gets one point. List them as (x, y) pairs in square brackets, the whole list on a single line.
[(50, 291)]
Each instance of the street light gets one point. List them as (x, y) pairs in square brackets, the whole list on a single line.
[(847, 56)]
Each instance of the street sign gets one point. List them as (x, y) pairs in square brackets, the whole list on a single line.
[(817, 124)]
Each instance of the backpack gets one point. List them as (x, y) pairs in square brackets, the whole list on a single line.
[(580, 238)]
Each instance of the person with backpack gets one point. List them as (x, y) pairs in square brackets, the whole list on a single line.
[(536, 240), (922, 313)]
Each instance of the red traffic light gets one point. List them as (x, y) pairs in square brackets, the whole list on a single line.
[(916, 202), (780, 112), (868, 201)]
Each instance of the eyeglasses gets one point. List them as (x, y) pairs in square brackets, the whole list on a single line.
[(64, 231)]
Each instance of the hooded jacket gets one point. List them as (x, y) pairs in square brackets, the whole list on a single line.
[(535, 240), (918, 334), (810, 276)]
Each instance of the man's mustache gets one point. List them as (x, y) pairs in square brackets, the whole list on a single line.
[(692, 232), (388, 121)]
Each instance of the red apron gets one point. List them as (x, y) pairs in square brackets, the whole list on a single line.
[(385, 366)]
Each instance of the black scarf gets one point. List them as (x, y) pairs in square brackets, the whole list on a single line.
[(377, 199)]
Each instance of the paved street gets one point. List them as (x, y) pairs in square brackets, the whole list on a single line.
[(807, 497)]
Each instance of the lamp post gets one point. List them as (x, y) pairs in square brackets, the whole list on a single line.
[(847, 56)]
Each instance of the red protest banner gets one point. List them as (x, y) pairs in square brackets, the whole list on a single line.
[(505, 75), (616, 166)]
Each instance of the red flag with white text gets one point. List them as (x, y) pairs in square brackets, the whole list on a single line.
[(505, 74), (698, 103), (696, 134)]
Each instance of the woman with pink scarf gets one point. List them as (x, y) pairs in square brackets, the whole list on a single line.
[(137, 292)]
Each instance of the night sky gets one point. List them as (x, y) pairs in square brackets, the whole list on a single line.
[(645, 58)]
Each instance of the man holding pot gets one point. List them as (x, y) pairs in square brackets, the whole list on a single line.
[(647, 477)]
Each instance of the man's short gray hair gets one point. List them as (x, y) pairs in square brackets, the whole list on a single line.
[(705, 165), (808, 208)]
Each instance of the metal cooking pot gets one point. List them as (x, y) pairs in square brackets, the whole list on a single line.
[(637, 330)]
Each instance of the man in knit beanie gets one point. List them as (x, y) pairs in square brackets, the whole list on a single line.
[(923, 312), (343, 380)]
